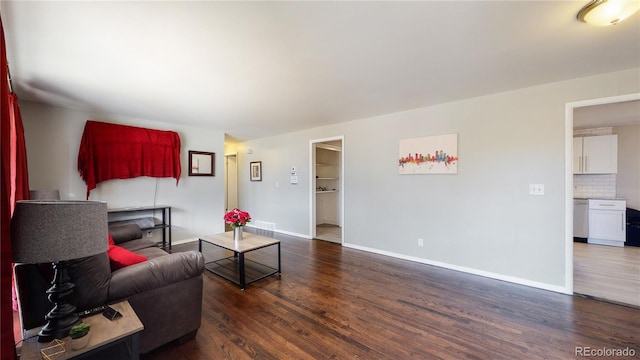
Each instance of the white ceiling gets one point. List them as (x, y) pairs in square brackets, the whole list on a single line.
[(255, 69)]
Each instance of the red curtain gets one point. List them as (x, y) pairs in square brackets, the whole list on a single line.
[(112, 151), (14, 186)]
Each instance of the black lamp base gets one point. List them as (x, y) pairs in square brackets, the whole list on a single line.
[(63, 316)]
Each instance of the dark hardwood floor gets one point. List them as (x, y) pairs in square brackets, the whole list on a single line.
[(337, 303)]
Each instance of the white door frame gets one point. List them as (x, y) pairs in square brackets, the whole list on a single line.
[(312, 186), (226, 179), (568, 175)]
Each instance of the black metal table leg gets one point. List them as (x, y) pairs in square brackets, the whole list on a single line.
[(135, 346), (241, 265), (169, 210)]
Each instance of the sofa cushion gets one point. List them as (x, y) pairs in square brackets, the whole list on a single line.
[(123, 233), (91, 276), (121, 257), (151, 252)]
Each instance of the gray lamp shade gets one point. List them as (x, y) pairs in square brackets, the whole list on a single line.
[(50, 231), (44, 195)]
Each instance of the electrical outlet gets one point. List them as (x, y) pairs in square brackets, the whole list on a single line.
[(420, 242), (149, 233), (536, 189)]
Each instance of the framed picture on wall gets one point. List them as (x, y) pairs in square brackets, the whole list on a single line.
[(201, 163), (255, 170), (429, 155)]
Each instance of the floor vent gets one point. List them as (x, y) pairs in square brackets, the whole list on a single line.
[(265, 233)]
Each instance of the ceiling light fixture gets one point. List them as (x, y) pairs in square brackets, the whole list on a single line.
[(607, 12)]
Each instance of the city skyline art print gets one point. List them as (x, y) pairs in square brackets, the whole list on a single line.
[(429, 155)]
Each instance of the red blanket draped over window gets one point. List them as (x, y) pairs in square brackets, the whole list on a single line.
[(111, 151)]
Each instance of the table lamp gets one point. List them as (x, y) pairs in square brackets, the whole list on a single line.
[(56, 232)]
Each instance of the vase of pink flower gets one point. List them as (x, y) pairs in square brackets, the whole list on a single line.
[(237, 219)]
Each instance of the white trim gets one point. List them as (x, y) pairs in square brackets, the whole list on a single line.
[(183, 241), (226, 179), (568, 171), (603, 101), (304, 236), (312, 192), (568, 201), (511, 279)]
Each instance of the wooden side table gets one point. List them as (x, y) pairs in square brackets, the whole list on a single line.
[(105, 336)]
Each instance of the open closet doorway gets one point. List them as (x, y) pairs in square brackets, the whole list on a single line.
[(327, 189), (230, 184)]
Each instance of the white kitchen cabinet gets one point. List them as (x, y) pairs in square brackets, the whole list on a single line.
[(607, 223), (595, 154), (577, 155)]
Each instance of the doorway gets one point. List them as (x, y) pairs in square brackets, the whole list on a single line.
[(230, 184), (327, 189), (597, 270)]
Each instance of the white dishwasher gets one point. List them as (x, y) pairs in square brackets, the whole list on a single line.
[(607, 222)]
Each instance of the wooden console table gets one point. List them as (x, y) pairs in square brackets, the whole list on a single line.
[(166, 219)]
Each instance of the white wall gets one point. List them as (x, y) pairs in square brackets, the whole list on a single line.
[(628, 177), (53, 136), (481, 220)]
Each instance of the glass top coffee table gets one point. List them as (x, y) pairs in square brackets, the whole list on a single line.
[(237, 268)]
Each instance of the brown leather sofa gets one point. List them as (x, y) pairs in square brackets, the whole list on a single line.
[(165, 291)]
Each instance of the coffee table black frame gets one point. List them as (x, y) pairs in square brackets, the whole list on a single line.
[(237, 268)]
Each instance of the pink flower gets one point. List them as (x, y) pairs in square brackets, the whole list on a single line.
[(237, 217)]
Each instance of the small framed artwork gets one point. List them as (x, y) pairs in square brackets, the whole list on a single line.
[(201, 163), (255, 170)]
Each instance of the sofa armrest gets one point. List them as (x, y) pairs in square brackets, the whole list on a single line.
[(155, 273)]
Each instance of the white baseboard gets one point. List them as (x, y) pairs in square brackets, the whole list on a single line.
[(304, 236), (488, 274), (183, 241)]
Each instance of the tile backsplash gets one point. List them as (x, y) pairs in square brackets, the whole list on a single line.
[(594, 186)]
